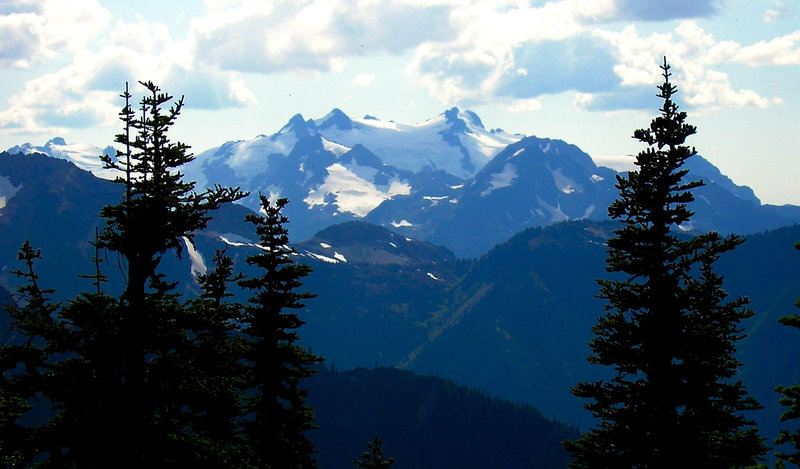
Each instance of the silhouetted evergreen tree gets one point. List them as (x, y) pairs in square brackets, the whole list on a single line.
[(278, 417), (373, 458), (158, 213), (216, 387), (136, 380), (669, 332), (24, 361), (790, 397)]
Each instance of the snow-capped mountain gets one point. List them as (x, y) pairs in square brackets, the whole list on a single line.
[(85, 156), (336, 169), (446, 180), (455, 141)]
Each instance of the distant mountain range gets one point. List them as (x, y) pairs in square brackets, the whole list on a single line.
[(483, 274), (447, 180)]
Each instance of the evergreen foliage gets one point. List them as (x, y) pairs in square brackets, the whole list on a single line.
[(373, 457), (669, 332), (790, 397), (144, 379), (278, 417)]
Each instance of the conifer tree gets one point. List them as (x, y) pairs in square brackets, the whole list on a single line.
[(669, 332), (278, 415), (373, 458), (215, 389), (157, 213), (24, 360), (790, 397), (123, 376)]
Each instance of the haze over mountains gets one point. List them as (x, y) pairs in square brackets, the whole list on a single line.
[(447, 180)]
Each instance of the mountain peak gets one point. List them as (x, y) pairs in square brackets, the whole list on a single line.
[(299, 127), (457, 124), (336, 118), (462, 121), (473, 119)]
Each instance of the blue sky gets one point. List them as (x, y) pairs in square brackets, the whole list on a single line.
[(580, 70)]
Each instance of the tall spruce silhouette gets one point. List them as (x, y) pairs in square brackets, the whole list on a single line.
[(120, 374), (279, 417), (669, 333)]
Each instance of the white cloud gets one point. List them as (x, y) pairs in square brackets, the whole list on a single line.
[(522, 105), (85, 92), (467, 52), (35, 31), (776, 13), (694, 55), (363, 79), (784, 50), (311, 34)]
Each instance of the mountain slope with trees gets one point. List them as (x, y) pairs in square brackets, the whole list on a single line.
[(428, 422)]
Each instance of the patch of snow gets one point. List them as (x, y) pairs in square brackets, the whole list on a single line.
[(198, 265), (377, 123), (516, 153), (7, 190), (325, 245), (334, 147), (596, 178), (340, 257), (501, 179), (433, 277), (620, 163), (435, 200), (401, 223), (417, 146), (322, 258), (545, 148), (393, 245), (233, 239), (556, 214), (457, 187), (409, 240), (352, 193), (589, 210), (564, 183), (686, 226)]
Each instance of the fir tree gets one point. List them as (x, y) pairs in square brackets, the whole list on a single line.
[(157, 213), (278, 417), (373, 458), (669, 332), (24, 362), (123, 376), (790, 397), (216, 388)]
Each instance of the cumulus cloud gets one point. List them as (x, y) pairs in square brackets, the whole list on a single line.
[(85, 92), (36, 30), (694, 55), (506, 52), (784, 50), (312, 34)]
